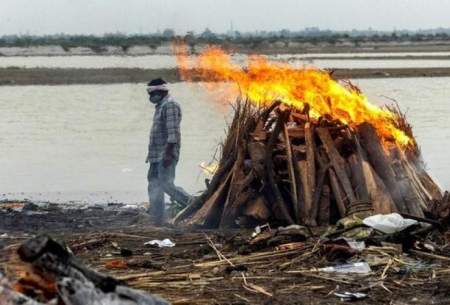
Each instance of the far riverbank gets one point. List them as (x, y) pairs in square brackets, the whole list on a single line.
[(60, 76)]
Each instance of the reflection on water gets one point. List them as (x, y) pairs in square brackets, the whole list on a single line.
[(88, 142), (169, 61)]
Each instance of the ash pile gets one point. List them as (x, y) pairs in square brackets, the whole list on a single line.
[(280, 164)]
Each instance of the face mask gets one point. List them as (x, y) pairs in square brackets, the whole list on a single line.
[(156, 98)]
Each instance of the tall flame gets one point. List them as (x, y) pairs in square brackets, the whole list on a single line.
[(263, 81)]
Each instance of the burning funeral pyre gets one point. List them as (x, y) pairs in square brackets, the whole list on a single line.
[(303, 148)]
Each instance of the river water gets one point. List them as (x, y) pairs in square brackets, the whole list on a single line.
[(379, 60), (88, 143)]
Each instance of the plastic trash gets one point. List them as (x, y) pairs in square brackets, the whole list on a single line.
[(352, 243), (389, 223), (259, 229), (360, 268), (165, 243), (350, 296)]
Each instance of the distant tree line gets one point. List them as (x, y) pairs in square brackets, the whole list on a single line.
[(312, 35)]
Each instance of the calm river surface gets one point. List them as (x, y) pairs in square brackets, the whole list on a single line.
[(390, 60), (88, 142)]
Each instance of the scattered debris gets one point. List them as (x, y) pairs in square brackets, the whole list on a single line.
[(389, 223), (360, 267), (350, 296), (165, 243)]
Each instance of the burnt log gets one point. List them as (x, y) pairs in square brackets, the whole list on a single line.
[(76, 284), (9, 296)]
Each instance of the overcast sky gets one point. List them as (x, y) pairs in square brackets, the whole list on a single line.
[(141, 16)]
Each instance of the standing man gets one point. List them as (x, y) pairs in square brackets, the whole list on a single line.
[(163, 150)]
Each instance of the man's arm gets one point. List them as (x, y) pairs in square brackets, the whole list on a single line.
[(173, 119)]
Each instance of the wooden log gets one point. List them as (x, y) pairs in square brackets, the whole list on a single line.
[(213, 205), (77, 284), (296, 133), (422, 191), (236, 198), (265, 114), (322, 174), (216, 181), (311, 169), (403, 169), (237, 179), (409, 193), (257, 209), (379, 195), (235, 209), (9, 296), (323, 217), (358, 179), (337, 162), (360, 156), (427, 181), (270, 173), (307, 193), (259, 134), (379, 161), (300, 212), (300, 117), (257, 152), (290, 166), (338, 193)]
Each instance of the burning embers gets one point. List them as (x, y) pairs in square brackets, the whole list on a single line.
[(318, 154)]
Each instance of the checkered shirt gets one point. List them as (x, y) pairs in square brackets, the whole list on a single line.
[(165, 129)]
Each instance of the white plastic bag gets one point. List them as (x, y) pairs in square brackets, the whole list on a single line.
[(389, 223), (161, 243)]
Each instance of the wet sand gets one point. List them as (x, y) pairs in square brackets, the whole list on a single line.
[(45, 76)]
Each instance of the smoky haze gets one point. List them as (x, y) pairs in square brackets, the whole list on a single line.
[(143, 16)]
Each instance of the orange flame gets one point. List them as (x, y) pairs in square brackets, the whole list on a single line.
[(263, 82)]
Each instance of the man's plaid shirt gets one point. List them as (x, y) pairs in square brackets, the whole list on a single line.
[(165, 129)]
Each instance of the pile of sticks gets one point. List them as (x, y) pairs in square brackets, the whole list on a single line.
[(280, 165)]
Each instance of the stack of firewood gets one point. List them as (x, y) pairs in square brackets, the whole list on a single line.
[(280, 165)]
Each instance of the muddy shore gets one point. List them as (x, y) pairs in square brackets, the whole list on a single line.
[(111, 240), (45, 76)]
